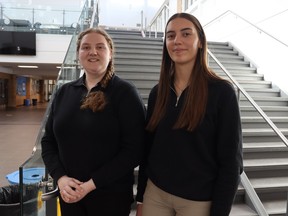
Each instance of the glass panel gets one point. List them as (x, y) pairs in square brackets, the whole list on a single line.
[(42, 21), (33, 178)]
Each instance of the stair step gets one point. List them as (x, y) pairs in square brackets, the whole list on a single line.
[(248, 110), (268, 184), (123, 46), (242, 210), (266, 101), (264, 147), (265, 164), (214, 46), (222, 52), (136, 63), (255, 84), (226, 58), (262, 134), (268, 92), (229, 64), (244, 77), (259, 122), (137, 51), (238, 70), (128, 57), (262, 131), (276, 207)]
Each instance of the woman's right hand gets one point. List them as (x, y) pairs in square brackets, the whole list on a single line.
[(70, 189), (139, 209)]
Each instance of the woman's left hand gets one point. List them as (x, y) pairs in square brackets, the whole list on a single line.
[(87, 187)]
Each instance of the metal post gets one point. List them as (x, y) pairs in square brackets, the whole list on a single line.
[(63, 18), (33, 12), (141, 20), (51, 207), (287, 206), (1, 12)]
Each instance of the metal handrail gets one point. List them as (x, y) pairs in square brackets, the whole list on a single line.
[(250, 99), (95, 14), (253, 25), (50, 195), (157, 15), (257, 204)]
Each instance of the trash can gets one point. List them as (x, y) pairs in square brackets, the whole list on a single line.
[(26, 102), (10, 195), (34, 102), (10, 200), (30, 176)]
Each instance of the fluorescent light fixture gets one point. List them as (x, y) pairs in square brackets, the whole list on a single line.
[(27, 66), (66, 67)]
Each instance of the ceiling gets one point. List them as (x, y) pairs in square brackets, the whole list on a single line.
[(44, 71)]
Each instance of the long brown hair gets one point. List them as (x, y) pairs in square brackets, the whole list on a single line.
[(96, 101), (195, 103)]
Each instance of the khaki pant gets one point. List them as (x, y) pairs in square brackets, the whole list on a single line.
[(160, 203)]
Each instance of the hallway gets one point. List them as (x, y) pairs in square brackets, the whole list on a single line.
[(19, 128)]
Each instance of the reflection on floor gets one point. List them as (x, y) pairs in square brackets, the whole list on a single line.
[(19, 128)]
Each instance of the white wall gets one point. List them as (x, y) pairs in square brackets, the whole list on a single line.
[(269, 55), (127, 13)]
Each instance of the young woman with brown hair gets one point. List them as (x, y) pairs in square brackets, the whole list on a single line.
[(193, 146)]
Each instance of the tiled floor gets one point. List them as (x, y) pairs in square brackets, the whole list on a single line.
[(19, 128)]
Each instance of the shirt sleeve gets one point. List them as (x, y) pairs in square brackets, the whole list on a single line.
[(50, 151), (229, 153)]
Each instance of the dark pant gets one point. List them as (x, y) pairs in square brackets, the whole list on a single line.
[(100, 203)]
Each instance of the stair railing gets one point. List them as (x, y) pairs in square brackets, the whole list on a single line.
[(251, 24), (244, 180), (252, 195), (160, 19), (250, 99), (231, 27)]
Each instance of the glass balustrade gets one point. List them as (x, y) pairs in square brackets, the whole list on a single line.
[(33, 178), (42, 21)]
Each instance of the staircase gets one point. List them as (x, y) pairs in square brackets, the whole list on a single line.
[(138, 60), (265, 155)]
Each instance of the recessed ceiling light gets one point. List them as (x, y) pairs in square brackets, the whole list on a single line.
[(27, 66)]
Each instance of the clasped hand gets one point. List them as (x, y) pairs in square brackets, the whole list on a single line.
[(73, 190)]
